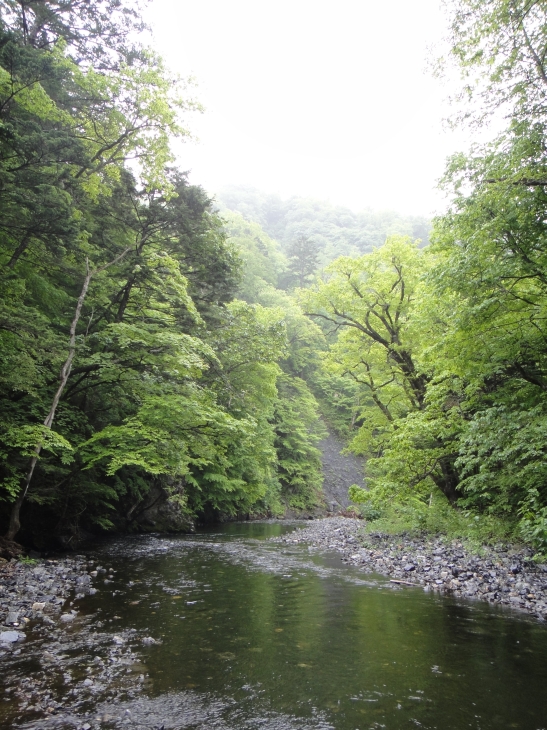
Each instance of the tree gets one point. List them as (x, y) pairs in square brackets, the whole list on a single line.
[(334, 230), (499, 48), (15, 524), (297, 431), (98, 33), (129, 404), (303, 260), (491, 262), (373, 303), (492, 269)]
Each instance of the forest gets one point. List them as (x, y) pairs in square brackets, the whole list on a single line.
[(158, 346)]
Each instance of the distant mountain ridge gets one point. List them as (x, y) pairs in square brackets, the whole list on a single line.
[(335, 230)]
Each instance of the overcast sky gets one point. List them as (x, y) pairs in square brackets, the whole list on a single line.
[(325, 99)]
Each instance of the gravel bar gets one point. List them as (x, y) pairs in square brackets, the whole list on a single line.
[(37, 593), (500, 574), (56, 660)]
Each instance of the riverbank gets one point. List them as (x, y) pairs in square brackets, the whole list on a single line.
[(501, 574), (54, 658), (35, 593)]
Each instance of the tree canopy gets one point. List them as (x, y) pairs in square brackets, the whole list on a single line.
[(127, 364)]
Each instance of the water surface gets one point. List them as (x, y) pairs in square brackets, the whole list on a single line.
[(282, 637), (263, 635)]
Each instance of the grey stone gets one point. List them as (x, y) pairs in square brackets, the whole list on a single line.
[(9, 637)]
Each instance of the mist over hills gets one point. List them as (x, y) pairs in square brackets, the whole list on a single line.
[(334, 230)]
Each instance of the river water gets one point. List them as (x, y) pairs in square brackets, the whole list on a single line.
[(257, 634)]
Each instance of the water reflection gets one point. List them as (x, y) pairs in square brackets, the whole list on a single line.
[(267, 634), (244, 633)]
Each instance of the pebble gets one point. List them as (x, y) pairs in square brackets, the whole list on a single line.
[(502, 574), (30, 591)]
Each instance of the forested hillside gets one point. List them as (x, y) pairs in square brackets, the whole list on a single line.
[(443, 344), (331, 230), (130, 371), (447, 343), (156, 354)]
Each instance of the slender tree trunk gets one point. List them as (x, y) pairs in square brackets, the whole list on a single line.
[(125, 300), (15, 522), (21, 248)]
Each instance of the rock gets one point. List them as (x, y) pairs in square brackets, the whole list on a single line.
[(9, 637), (38, 606), (12, 619), (409, 567), (118, 640), (160, 514), (67, 617), (9, 549)]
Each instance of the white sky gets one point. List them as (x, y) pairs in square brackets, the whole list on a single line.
[(325, 99)]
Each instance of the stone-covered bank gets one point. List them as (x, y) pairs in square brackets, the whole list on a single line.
[(502, 574), (54, 658)]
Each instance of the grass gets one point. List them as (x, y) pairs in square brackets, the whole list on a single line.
[(439, 518)]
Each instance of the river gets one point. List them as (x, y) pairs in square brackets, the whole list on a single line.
[(252, 634)]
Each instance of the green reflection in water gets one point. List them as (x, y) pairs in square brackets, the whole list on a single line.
[(245, 616)]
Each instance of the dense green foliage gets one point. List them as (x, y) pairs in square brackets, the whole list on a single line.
[(149, 343), (331, 230), (297, 414), (447, 344), (127, 362)]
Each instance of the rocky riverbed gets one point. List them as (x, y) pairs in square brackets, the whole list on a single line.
[(501, 574), (54, 659)]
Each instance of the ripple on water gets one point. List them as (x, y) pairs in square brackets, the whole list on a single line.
[(226, 631)]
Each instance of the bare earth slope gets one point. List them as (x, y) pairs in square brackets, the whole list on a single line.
[(340, 472)]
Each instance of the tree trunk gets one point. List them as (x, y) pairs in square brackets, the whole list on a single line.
[(448, 481), (15, 522), (21, 248)]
